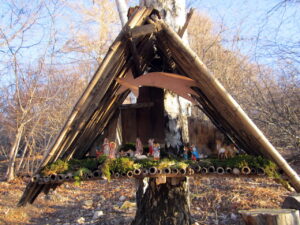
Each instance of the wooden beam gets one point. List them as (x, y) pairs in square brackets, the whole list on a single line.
[(142, 30), (137, 105)]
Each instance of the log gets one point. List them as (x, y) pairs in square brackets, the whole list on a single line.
[(204, 170), (129, 174), (245, 170), (175, 171), (143, 30), (292, 202), (211, 169), (228, 170), (270, 216), (153, 170), (220, 170), (236, 171)]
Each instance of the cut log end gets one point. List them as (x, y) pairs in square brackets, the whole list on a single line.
[(270, 216)]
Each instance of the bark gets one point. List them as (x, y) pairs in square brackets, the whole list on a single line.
[(10, 172), (163, 204), (122, 9)]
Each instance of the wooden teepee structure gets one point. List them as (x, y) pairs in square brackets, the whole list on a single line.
[(134, 49)]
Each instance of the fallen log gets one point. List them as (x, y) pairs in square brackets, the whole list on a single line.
[(270, 216)]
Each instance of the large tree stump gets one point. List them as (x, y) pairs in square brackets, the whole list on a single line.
[(270, 216), (163, 204), (292, 202)]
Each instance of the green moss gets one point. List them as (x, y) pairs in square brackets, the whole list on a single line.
[(89, 163), (80, 174), (102, 159), (147, 163), (59, 166), (125, 164), (164, 163), (106, 168)]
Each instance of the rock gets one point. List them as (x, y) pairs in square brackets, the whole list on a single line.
[(233, 216), (80, 220), (101, 198), (198, 208), (87, 203), (122, 198), (292, 202), (128, 205), (53, 197), (97, 214)]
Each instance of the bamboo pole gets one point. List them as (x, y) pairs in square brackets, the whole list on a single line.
[(138, 19), (226, 105)]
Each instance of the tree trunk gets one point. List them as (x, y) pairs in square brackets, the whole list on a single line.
[(163, 204), (10, 172), (122, 9)]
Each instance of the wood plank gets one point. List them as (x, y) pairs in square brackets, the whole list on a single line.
[(128, 120)]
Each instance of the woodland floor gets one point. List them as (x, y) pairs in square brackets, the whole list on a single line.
[(214, 200)]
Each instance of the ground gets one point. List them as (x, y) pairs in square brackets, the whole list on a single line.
[(214, 200)]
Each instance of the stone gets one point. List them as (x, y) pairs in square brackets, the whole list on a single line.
[(88, 203), (101, 198), (80, 220), (128, 205), (233, 216), (122, 198), (292, 202), (97, 214)]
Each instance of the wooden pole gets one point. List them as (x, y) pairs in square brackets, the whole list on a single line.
[(230, 110)]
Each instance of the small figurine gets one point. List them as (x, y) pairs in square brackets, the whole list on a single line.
[(185, 152), (122, 153), (138, 147), (112, 150), (150, 145), (105, 147), (195, 153), (98, 152), (156, 150), (225, 151)]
